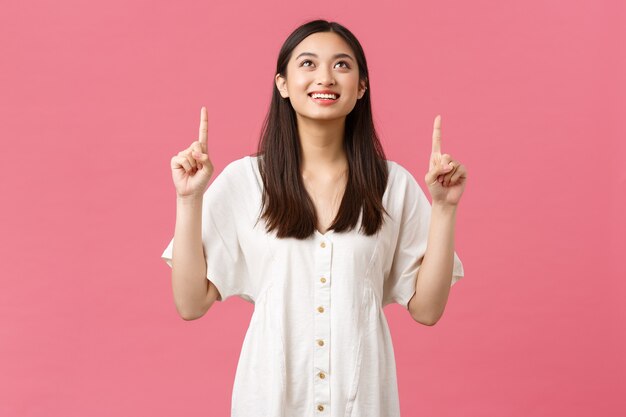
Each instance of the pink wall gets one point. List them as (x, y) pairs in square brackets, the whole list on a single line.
[(96, 98)]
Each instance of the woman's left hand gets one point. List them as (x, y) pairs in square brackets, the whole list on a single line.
[(446, 177)]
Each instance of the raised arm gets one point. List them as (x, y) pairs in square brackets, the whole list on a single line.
[(191, 170)]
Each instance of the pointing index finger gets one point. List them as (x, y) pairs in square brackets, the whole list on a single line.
[(204, 127), (437, 135)]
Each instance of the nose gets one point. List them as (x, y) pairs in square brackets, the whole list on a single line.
[(326, 77)]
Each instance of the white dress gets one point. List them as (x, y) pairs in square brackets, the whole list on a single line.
[(318, 343)]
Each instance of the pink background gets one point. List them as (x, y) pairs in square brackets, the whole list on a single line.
[(95, 98)]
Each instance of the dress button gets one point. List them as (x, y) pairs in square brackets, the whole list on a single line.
[(320, 342), (323, 280), (320, 309), (323, 244), (322, 375), (320, 407)]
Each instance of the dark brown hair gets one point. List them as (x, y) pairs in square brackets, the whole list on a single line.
[(287, 205)]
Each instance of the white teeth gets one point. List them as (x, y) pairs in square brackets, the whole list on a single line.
[(327, 96)]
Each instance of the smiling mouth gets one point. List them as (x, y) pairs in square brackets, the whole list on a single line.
[(322, 99)]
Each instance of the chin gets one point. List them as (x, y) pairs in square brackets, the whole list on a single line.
[(324, 117)]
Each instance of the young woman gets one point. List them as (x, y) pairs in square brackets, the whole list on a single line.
[(319, 231)]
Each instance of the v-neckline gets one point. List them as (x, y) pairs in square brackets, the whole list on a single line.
[(329, 231)]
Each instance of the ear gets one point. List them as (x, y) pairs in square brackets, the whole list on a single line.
[(281, 84), (362, 88)]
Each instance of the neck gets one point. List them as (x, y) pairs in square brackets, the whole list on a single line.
[(322, 143)]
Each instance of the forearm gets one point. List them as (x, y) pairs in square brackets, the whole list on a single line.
[(189, 282), (435, 273)]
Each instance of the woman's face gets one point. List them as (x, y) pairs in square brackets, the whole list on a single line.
[(322, 61)]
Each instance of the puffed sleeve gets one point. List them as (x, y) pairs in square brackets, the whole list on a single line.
[(226, 264), (411, 238)]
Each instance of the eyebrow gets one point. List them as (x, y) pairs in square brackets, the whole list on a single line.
[(342, 55)]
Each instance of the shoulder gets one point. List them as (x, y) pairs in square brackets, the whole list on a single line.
[(400, 177), (240, 179), (238, 167), (403, 190), (230, 180), (238, 173)]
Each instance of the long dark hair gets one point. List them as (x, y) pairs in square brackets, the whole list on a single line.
[(287, 205)]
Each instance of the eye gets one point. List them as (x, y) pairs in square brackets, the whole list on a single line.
[(308, 60)]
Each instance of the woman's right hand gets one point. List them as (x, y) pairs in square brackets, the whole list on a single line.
[(192, 168)]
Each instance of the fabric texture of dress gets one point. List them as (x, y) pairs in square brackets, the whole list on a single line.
[(318, 343)]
